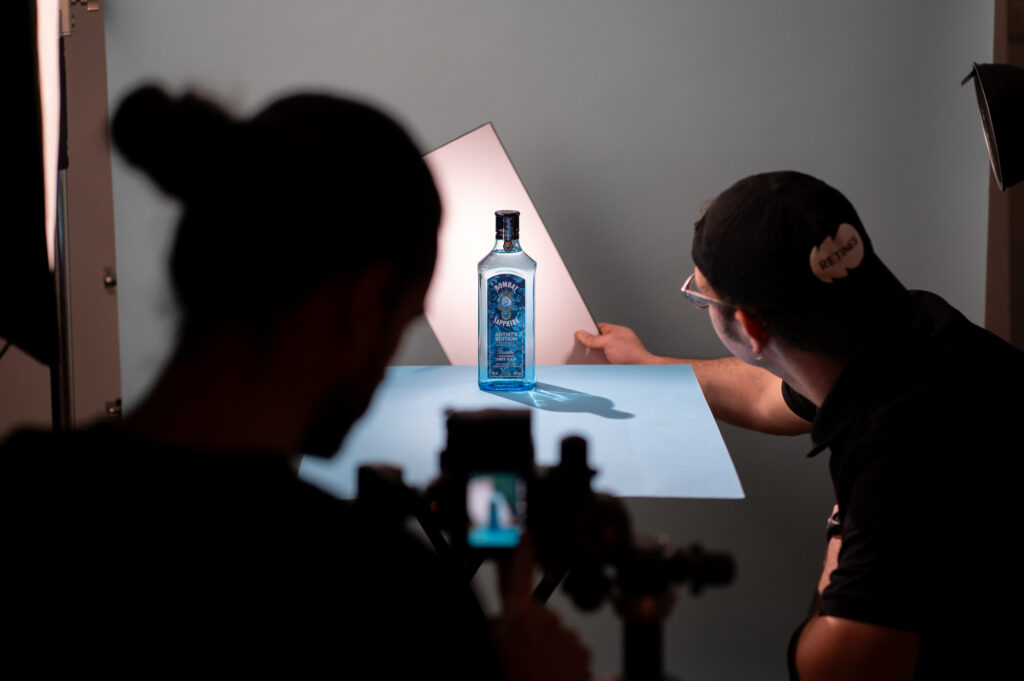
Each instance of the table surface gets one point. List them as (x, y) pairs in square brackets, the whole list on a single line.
[(649, 430)]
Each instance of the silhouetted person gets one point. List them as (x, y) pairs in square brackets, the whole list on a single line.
[(182, 539)]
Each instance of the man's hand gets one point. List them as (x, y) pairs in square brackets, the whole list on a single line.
[(530, 639), (620, 345)]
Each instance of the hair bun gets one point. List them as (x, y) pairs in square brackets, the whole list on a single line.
[(176, 141)]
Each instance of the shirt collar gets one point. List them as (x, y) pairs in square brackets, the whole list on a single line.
[(868, 379), (857, 383)]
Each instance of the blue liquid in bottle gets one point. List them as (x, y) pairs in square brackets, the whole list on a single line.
[(505, 284)]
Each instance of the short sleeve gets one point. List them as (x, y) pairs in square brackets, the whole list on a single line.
[(881, 576)]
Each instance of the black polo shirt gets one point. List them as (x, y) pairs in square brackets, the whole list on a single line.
[(924, 462)]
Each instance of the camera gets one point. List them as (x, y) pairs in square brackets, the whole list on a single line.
[(490, 492), (487, 470)]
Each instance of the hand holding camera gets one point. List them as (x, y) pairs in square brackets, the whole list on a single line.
[(531, 640)]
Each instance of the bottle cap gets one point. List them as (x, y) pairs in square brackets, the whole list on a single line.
[(506, 225)]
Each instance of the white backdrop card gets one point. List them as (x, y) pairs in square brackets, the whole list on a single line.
[(475, 178)]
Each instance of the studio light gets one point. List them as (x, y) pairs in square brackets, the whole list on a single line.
[(1000, 90)]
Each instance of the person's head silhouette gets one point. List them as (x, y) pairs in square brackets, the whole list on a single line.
[(306, 243)]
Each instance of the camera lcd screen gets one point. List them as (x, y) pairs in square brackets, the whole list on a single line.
[(496, 506)]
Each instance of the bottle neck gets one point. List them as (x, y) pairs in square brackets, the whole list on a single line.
[(510, 246)]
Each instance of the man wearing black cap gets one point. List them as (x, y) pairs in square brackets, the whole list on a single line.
[(916, 405)]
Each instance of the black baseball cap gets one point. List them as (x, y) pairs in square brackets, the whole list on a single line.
[(793, 250)]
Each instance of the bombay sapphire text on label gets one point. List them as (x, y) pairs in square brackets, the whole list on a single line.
[(506, 327)]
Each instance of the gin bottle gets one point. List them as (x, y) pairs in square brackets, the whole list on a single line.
[(505, 280)]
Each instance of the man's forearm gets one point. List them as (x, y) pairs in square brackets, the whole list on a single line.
[(745, 395), (737, 393)]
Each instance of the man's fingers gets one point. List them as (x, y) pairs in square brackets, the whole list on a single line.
[(591, 340), (516, 576)]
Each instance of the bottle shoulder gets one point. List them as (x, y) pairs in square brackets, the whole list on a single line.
[(516, 260)]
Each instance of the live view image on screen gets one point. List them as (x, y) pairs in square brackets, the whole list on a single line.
[(496, 505)]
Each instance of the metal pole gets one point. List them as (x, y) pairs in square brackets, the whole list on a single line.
[(61, 374)]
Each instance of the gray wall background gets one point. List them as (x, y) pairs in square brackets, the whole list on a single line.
[(621, 119)]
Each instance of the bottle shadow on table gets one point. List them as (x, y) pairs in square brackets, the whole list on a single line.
[(556, 398)]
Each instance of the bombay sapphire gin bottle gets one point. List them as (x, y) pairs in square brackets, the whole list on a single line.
[(505, 286)]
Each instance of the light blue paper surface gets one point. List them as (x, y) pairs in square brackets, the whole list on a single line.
[(649, 430)]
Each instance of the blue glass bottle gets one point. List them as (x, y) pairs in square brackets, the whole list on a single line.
[(505, 280)]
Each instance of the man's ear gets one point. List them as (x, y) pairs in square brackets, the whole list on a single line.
[(753, 331)]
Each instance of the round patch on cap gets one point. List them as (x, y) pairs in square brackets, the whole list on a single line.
[(837, 255)]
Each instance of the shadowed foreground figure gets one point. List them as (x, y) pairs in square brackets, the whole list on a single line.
[(181, 539)]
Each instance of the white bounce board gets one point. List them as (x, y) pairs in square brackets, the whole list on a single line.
[(476, 178)]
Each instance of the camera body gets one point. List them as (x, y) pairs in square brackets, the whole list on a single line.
[(483, 495), (490, 492)]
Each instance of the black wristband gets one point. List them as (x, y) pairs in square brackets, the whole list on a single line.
[(833, 526)]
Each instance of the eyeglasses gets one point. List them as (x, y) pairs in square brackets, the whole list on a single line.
[(693, 294)]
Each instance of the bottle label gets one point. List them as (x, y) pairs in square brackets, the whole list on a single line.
[(506, 326)]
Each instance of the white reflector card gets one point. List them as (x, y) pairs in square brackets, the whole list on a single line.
[(475, 178)]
